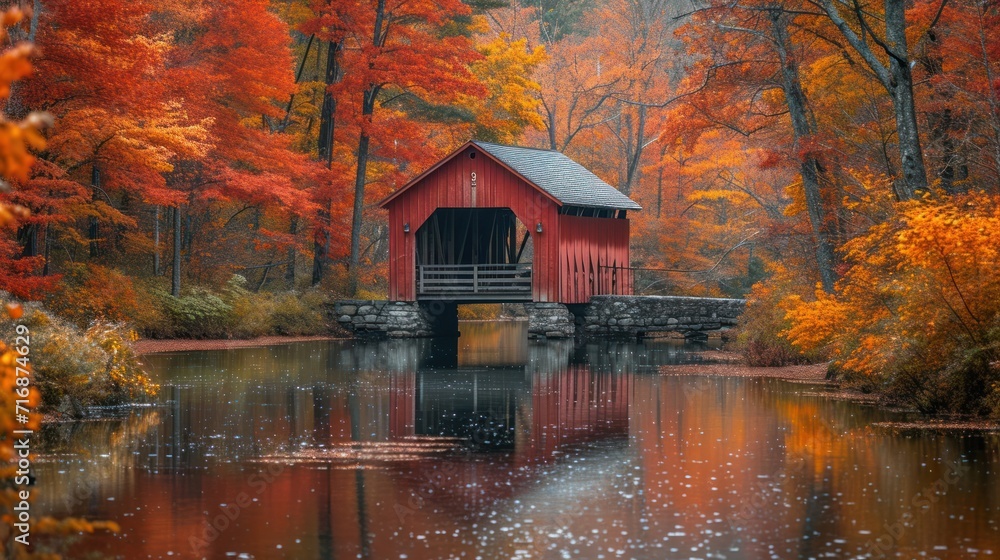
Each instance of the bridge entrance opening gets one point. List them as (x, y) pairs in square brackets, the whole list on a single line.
[(474, 255)]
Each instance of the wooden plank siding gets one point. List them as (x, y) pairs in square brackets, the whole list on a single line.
[(588, 243), (566, 252)]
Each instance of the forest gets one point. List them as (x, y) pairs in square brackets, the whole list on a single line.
[(185, 168)]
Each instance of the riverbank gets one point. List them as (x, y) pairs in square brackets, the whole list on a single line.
[(155, 346), (729, 364)]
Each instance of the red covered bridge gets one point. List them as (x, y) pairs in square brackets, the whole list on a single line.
[(492, 223)]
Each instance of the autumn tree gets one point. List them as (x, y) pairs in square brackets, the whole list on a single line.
[(510, 105), (745, 79), (395, 54), (858, 28), (958, 51)]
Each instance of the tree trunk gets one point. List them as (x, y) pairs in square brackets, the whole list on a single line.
[(27, 236), (809, 165), (293, 225), (994, 120), (93, 228), (321, 250), (901, 87), (175, 284), (36, 12), (325, 141), (48, 246), (952, 168), (156, 242), (632, 171), (357, 216), (553, 144), (188, 235), (367, 110), (898, 81), (319, 247)]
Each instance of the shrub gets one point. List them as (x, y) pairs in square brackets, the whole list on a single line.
[(94, 293), (199, 313), (917, 315), (233, 312), (295, 314), (152, 318), (95, 367), (760, 335)]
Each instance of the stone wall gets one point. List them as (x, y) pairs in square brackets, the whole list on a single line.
[(639, 315), (397, 319), (625, 316), (549, 320)]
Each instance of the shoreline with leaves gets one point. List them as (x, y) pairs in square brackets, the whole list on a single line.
[(156, 346), (733, 364)]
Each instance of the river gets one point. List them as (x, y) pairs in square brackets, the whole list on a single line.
[(497, 447)]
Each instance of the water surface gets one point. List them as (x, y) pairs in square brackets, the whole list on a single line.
[(495, 447)]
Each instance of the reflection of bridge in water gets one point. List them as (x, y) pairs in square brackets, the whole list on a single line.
[(529, 399), (542, 407), (518, 408)]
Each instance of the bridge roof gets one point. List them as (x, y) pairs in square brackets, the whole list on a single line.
[(566, 180), (561, 178)]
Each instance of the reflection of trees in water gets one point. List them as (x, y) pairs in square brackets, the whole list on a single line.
[(781, 467), (118, 437), (105, 452), (624, 356), (389, 356)]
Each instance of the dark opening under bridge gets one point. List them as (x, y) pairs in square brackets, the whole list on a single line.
[(503, 224)]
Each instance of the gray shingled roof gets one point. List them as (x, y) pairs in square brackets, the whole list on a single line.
[(566, 180)]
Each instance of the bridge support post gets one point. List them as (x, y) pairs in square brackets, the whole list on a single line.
[(397, 319), (549, 320)]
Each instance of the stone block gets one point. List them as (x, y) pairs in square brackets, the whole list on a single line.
[(347, 309)]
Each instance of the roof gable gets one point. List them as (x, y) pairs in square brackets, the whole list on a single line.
[(562, 179)]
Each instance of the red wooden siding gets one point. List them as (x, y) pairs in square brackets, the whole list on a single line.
[(450, 186), (573, 407), (585, 244), (402, 391), (566, 252)]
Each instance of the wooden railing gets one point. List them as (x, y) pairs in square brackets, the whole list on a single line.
[(614, 280), (474, 281)]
